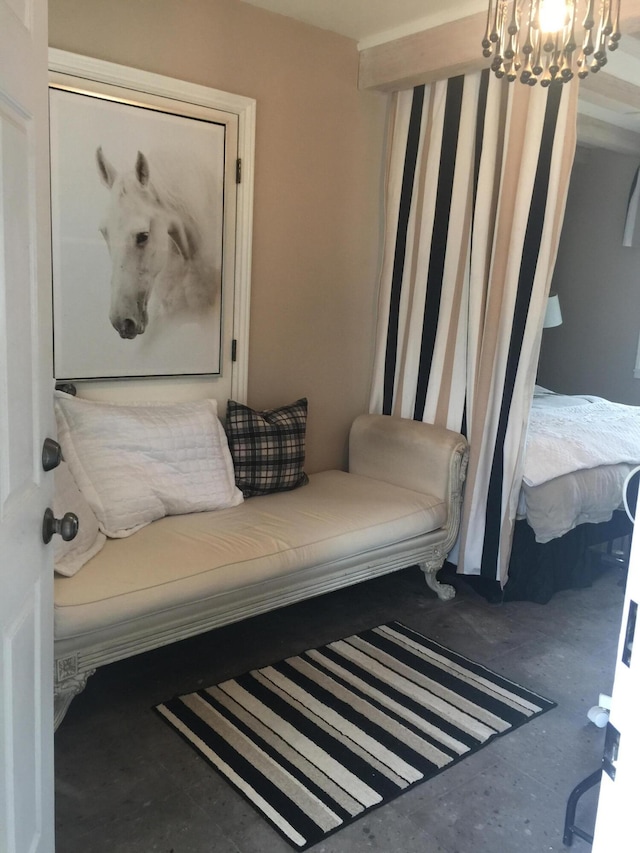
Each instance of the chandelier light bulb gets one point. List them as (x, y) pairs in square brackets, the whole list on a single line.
[(553, 15)]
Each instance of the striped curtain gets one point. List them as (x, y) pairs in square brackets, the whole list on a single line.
[(477, 179)]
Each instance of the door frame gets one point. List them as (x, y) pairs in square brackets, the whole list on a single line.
[(78, 68)]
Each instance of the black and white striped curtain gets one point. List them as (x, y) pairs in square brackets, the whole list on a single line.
[(477, 179)]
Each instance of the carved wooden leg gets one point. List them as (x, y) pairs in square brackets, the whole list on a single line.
[(444, 591), (64, 692)]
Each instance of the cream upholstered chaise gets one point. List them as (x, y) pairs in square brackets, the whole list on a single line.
[(398, 505)]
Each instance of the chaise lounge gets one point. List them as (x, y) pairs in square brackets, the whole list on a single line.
[(183, 574)]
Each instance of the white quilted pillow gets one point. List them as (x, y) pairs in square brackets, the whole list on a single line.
[(136, 463), (70, 557)]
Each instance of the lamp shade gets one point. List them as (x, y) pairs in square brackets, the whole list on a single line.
[(553, 315)]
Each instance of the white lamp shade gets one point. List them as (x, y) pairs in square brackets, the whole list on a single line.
[(553, 315)]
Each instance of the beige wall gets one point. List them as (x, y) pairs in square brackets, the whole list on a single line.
[(317, 189), (598, 282)]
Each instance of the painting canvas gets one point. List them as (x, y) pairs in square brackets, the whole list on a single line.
[(137, 227)]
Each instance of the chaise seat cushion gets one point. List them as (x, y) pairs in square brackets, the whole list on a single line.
[(179, 561)]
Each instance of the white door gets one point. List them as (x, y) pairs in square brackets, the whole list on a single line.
[(617, 820), (26, 417)]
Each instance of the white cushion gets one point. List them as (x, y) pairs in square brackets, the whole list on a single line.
[(70, 557), (137, 463), (182, 565)]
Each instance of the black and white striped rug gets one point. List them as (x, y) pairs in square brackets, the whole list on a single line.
[(318, 740)]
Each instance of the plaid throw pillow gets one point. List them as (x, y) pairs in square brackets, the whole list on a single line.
[(267, 447)]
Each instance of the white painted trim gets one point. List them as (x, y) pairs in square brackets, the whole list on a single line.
[(97, 70), (244, 214), (88, 68), (636, 369)]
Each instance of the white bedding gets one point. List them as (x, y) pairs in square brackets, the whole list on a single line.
[(579, 452), (568, 434)]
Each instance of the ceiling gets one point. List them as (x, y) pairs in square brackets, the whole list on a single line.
[(612, 97), (372, 22)]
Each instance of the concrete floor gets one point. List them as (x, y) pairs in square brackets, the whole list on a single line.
[(126, 783)]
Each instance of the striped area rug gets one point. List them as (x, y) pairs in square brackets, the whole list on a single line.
[(318, 740)]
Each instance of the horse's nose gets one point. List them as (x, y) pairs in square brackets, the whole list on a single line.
[(128, 329)]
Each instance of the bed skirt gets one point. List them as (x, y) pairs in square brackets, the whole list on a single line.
[(537, 571)]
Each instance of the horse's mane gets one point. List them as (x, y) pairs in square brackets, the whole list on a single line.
[(183, 185)]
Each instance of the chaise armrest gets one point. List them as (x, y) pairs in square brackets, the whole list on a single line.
[(412, 454)]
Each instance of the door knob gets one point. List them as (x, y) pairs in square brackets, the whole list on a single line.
[(67, 526), (51, 454)]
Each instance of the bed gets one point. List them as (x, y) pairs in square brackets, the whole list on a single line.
[(579, 452)]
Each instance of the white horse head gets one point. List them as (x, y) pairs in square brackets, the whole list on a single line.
[(151, 242)]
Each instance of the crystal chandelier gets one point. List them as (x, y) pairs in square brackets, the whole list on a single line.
[(550, 40)]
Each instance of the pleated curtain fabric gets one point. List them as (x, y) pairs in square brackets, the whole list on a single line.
[(477, 180)]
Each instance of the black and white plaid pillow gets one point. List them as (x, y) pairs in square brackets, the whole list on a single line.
[(267, 447)]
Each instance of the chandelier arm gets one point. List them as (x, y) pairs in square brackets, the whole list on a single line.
[(588, 47), (589, 19), (615, 35), (607, 28), (513, 27), (554, 57), (571, 43), (486, 41), (494, 36)]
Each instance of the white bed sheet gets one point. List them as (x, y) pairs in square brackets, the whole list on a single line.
[(553, 505)]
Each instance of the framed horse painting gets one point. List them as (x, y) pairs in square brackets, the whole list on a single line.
[(142, 236)]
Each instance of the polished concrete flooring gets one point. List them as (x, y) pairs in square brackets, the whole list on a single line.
[(126, 783)]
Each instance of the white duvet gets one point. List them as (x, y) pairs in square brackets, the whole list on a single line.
[(568, 434)]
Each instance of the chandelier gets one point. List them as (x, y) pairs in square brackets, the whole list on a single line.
[(550, 40)]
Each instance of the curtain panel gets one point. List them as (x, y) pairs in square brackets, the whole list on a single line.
[(477, 180)]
